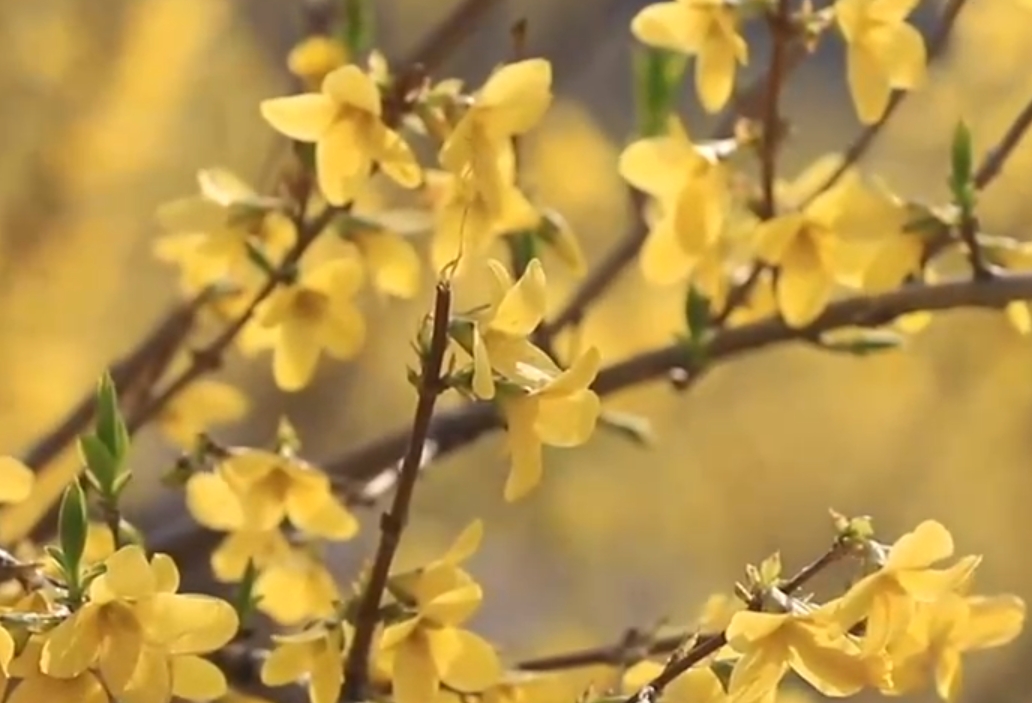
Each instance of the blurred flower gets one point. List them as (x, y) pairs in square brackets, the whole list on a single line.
[(691, 189), (314, 57), (697, 685), (202, 405), (313, 655), (707, 29), (344, 122), (315, 312), (429, 646), (884, 52), (16, 480), (296, 587), (259, 547), (34, 685)]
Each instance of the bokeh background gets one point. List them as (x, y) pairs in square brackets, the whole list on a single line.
[(110, 108)]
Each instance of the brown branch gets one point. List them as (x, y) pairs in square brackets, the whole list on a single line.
[(392, 523), (992, 164), (782, 34), (712, 643), (865, 139)]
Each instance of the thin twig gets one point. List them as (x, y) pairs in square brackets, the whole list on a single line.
[(392, 523), (712, 643), (781, 36), (996, 157), (865, 139)]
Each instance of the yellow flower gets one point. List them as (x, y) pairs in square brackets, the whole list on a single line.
[(344, 122), (708, 29), (35, 686), (947, 628), (257, 489), (466, 221), (202, 405), (261, 547), (697, 685), (760, 303), (812, 249), (771, 644), (16, 480), (559, 409), (498, 338), (510, 103), (226, 216), (464, 546), (314, 655), (6, 657), (134, 626), (691, 190), (884, 52), (429, 647), (887, 598), (315, 312), (296, 587), (314, 57)]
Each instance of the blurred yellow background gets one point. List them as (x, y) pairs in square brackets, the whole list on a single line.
[(107, 114)]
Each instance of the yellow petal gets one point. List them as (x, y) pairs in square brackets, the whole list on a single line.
[(320, 514), (466, 544), (213, 503), (659, 165), (517, 96), (396, 159), (82, 689), (415, 677), (286, 664), (887, 619), (122, 647), (348, 85), (578, 377), (454, 607), (523, 306), (166, 573), (663, 260), (567, 421), (327, 676), (992, 622), (524, 446), (344, 330), (305, 118), (867, 83), (747, 628), (948, 675), (928, 543), (666, 25), (188, 623), (128, 574), (296, 354), (151, 681), (715, 71), (229, 560), (757, 674), (1019, 316), (774, 237), (906, 58), (6, 650), (699, 213), (483, 375), (197, 679), (72, 646), (394, 262), (803, 287), (829, 669), (16, 480), (475, 665), (343, 162)]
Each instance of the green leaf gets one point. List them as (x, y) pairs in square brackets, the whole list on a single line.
[(962, 168), (111, 429), (359, 26), (244, 598), (257, 257), (697, 315), (522, 250), (657, 78), (861, 342), (72, 526), (102, 468)]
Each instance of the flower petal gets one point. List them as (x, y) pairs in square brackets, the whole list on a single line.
[(667, 25), (16, 480), (343, 162), (992, 621), (349, 85), (213, 503), (567, 421), (305, 118), (928, 543), (475, 666), (197, 679), (286, 664), (296, 354), (515, 97), (415, 677), (524, 446), (523, 306)]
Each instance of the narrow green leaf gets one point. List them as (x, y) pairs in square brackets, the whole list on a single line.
[(861, 342), (257, 257), (359, 26), (101, 466), (522, 250), (111, 429), (72, 526), (962, 168), (658, 76), (244, 598), (697, 314)]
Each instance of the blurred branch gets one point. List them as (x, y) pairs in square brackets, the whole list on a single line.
[(858, 148), (458, 25), (779, 25), (995, 158), (453, 429), (392, 523)]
